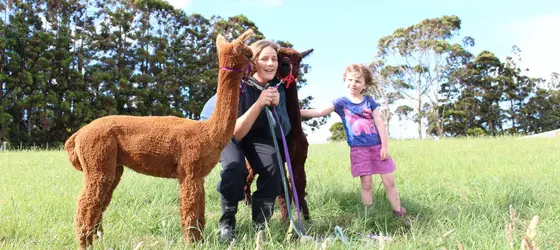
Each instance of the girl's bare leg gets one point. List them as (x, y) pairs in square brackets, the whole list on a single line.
[(367, 189), (392, 192)]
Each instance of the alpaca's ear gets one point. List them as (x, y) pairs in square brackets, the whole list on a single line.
[(220, 41), (306, 53), (245, 36)]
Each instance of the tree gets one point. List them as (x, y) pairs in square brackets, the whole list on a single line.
[(554, 82), (415, 60), (65, 63), (517, 89), (542, 112), (337, 132), (384, 94), (27, 53), (5, 116)]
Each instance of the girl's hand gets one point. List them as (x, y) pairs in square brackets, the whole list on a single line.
[(266, 97), (384, 153)]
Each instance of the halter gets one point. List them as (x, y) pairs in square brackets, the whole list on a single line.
[(289, 79), (246, 71)]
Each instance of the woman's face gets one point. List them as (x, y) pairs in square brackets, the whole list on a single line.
[(266, 64)]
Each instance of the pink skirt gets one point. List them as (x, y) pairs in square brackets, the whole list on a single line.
[(367, 161)]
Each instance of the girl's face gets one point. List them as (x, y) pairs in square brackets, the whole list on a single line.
[(266, 64), (355, 83)]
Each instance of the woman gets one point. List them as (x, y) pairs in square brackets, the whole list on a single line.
[(252, 139)]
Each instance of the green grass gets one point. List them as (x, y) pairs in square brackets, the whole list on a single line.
[(457, 191)]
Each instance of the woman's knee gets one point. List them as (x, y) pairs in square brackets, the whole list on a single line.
[(233, 178)]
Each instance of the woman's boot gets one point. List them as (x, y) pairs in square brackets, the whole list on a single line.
[(227, 221)]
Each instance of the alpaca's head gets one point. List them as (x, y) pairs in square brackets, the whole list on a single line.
[(289, 62), (235, 55)]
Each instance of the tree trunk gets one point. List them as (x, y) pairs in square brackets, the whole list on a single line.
[(439, 126), (513, 130), (387, 120), (419, 110), (29, 122)]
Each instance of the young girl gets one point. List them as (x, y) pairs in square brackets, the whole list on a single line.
[(365, 134)]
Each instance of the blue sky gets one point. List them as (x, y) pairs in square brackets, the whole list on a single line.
[(344, 32)]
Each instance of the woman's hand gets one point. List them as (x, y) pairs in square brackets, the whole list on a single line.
[(275, 96), (268, 97)]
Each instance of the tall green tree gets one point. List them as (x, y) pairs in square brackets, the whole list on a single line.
[(517, 89), (5, 116), (27, 52), (337, 132), (64, 63), (416, 58), (542, 112)]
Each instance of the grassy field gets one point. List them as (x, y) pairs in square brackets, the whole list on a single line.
[(458, 193)]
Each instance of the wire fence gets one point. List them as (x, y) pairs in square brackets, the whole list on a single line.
[(6, 146)]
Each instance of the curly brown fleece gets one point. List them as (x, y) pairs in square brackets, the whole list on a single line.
[(168, 147)]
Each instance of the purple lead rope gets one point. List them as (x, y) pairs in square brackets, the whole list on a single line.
[(288, 161)]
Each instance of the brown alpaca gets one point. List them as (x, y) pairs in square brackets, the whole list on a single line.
[(296, 141), (167, 147)]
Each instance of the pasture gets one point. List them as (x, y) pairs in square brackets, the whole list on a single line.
[(458, 194)]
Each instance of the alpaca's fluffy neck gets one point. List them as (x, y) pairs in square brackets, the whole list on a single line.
[(222, 121)]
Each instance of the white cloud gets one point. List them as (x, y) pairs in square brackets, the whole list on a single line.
[(263, 3), (538, 39), (180, 4)]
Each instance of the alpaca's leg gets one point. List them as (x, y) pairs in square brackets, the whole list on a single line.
[(298, 159), (281, 199), (90, 206), (109, 196), (98, 160), (192, 211), (248, 182), (202, 209), (300, 178), (301, 184)]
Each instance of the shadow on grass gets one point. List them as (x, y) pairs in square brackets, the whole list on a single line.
[(343, 208)]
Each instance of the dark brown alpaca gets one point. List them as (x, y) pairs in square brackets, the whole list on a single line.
[(296, 140), (167, 147)]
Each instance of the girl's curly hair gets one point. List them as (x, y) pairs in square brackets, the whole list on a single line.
[(364, 71)]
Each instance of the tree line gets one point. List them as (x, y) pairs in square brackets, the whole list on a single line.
[(65, 63)]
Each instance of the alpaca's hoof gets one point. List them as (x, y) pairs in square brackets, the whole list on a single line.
[(99, 235), (193, 237)]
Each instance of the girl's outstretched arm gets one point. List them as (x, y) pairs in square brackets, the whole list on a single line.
[(382, 130), (311, 113)]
